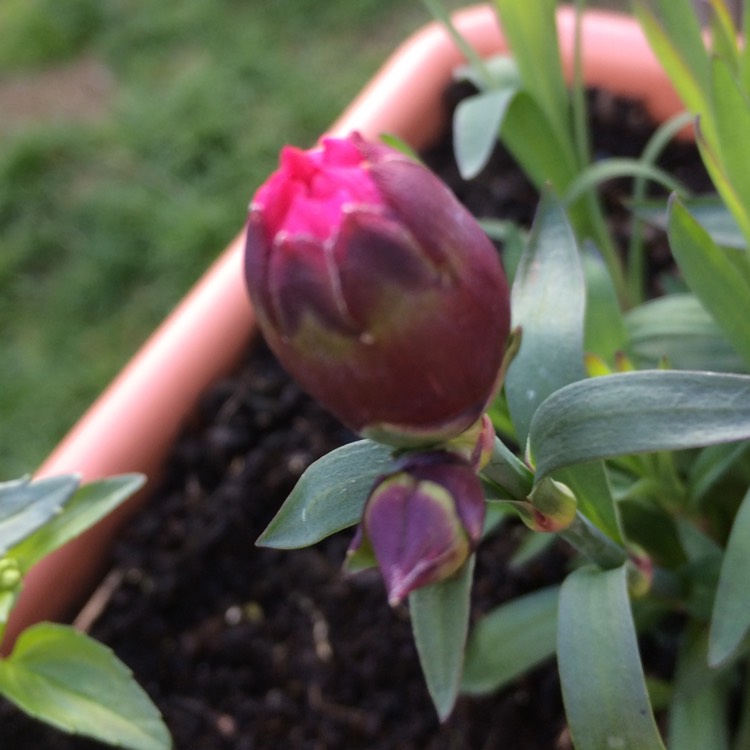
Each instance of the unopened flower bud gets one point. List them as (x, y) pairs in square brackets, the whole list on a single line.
[(422, 521), (553, 506), (378, 291)]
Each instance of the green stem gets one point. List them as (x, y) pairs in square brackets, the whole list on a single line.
[(593, 543), (597, 224), (636, 249), (578, 98), (509, 472)]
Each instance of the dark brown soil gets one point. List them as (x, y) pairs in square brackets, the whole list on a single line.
[(246, 648)]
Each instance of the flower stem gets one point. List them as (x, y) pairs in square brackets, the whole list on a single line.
[(593, 543), (509, 472)]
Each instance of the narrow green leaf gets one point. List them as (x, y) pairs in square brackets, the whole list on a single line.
[(724, 36), (26, 506), (548, 302), (698, 710), (511, 639), (712, 276), (732, 117), (531, 31), (476, 128), (709, 211), (602, 680), (730, 620), (536, 144), (637, 412), (70, 681), (745, 51), (611, 169), (686, 71), (440, 620), (636, 252), (721, 179), (328, 497), (677, 328), (89, 504), (683, 28)]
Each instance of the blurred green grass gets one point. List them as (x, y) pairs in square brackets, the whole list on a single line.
[(106, 222)]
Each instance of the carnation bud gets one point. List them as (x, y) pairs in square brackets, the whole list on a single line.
[(378, 291), (421, 522)]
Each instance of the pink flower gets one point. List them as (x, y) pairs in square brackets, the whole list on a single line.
[(377, 291)]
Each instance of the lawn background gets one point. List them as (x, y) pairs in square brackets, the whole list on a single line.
[(108, 216)]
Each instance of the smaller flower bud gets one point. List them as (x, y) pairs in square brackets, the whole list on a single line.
[(553, 506), (421, 522)]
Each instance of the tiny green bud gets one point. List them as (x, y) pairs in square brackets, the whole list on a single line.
[(10, 574), (554, 505)]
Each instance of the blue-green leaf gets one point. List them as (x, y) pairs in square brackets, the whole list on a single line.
[(26, 506), (86, 507), (675, 37), (328, 497), (613, 168), (636, 412), (545, 155), (732, 118), (476, 128), (548, 301), (66, 679), (531, 31), (511, 639), (602, 680), (677, 329), (440, 620), (730, 620), (709, 211), (712, 276), (698, 711)]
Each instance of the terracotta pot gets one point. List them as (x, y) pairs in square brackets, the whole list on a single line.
[(132, 425)]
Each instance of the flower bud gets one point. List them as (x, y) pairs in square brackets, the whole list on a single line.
[(377, 291), (421, 522)]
